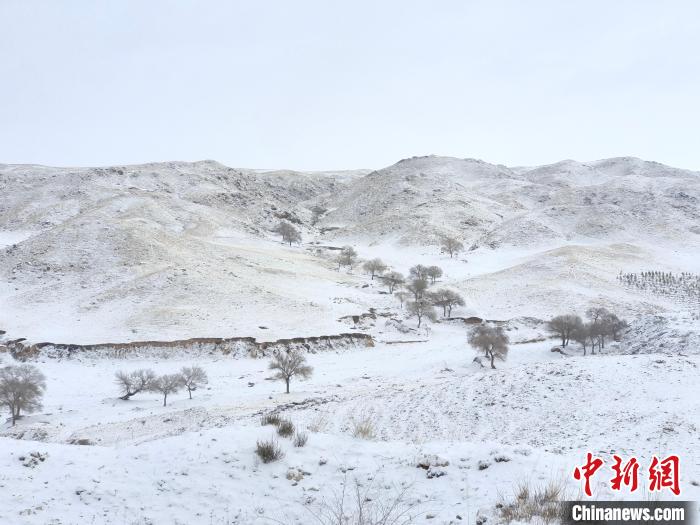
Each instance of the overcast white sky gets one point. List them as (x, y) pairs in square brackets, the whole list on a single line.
[(329, 85)]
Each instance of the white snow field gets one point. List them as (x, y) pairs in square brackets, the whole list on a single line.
[(176, 251)]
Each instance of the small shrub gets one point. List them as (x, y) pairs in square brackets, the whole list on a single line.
[(285, 428), (367, 504), (270, 419), (269, 451), (320, 422), (300, 439), (363, 428), (545, 503), (501, 458)]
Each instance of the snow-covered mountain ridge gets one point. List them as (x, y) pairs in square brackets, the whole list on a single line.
[(176, 250)]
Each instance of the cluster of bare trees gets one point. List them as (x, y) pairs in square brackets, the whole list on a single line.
[(682, 287), (145, 380), (422, 301), (414, 289), (21, 389), (491, 340), (600, 324)]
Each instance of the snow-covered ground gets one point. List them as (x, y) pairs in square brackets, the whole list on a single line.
[(194, 460), (175, 251)]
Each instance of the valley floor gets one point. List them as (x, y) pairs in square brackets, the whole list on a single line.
[(532, 420)]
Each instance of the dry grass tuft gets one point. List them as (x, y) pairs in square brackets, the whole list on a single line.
[(269, 451), (545, 504)]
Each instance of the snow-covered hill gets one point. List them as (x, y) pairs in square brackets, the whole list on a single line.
[(176, 250), (175, 255), (622, 199)]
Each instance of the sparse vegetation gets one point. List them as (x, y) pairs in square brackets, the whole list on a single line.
[(21, 389), (269, 451)]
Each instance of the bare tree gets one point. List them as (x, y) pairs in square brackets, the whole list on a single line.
[(593, 330), (374, 267), (446, 299), (316, 213), (563, 326), (451, 245), (493, 341), (422, 308), (604, 323), (617, 326), (167, 384), (347, 257), (290, 364), (580, 334), (402, 296), (418, 272), (596, 312), (434, 272), (417, 287), (193, 377), (135, 382), (392, 280), (21, 389), (288, 232)]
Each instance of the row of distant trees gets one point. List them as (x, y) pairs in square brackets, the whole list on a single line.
[(290, 235), (600, 325), (682, 287), (413, 290), (22, 387), (190, 378)]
